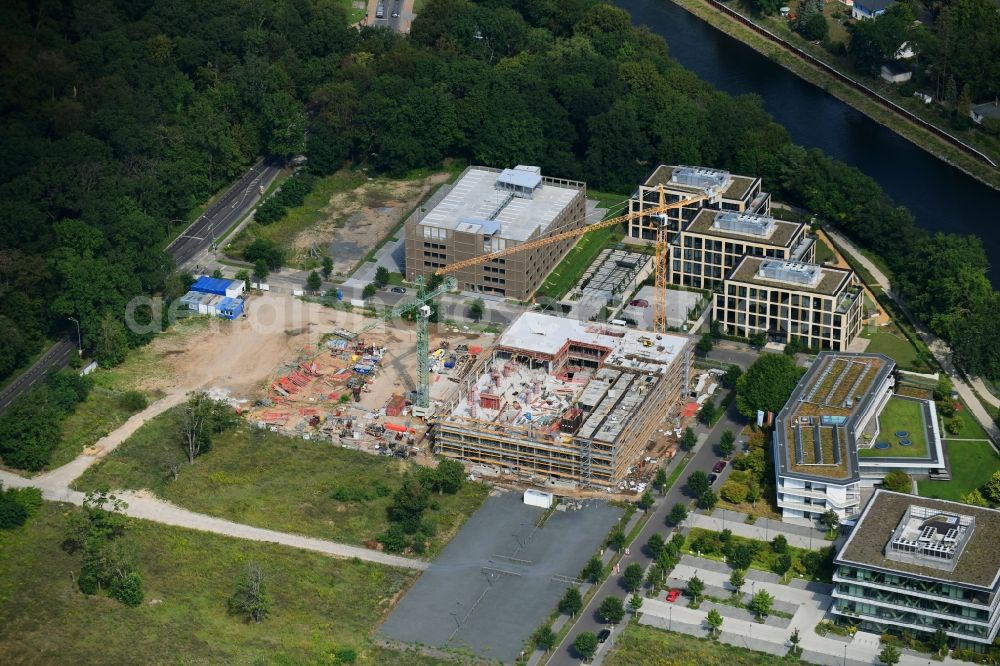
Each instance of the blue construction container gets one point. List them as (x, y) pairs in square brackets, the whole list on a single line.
[(230, 308), (211, 285)]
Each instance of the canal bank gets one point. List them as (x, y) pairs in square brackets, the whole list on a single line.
[(780, 51), (940, 197)]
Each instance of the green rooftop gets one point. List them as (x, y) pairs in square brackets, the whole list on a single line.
[(900, 415)]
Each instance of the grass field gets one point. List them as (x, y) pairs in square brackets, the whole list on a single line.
[(972, 465), (890, 341), (281, 483), (318, 604), (900, 414), (567, 273), (823, 252), (646, 646), (970, 426), (95, 417)]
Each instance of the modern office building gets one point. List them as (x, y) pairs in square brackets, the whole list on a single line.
[(822, 306), (844, 428), (711, 244), (724, 192), (560, 399), (913, 565), (488, 210)]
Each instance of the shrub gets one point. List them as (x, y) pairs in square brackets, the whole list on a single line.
[(134, 401), (346, 655), (733, 491), (12, 514), (128, 589)]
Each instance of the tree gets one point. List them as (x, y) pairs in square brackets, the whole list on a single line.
[(635, 603), (409, 503), (678, 513), (260, 271), (571, 602), (617, 538), (369, 291), (741, 556), (727, 443), (939, 641), (705, 344), (327, 266), (112, 342), (779, 544), (632, 577), (585, 645), (688, 439), (264, 250), (545, 638), (707, 413), (795, 639), (758, 340), (737, 579), (611, 610), (766, 385), (449, 476), (314, 282), (897, 481), (708, 500), (992, 488), (476, 309), (660, 480), (829, 519), (244, 275), (783, 564), (761, 604), (594, 570), (698, 483), (889, 655), (714, 621), (814, 27), (381, 276), (199, 420), (696, 587), (733, 374), (655, 545), (251, 600), (646, 500)]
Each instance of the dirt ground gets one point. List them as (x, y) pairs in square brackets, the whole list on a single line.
[(355, 221)]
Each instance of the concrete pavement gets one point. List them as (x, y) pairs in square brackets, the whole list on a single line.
[(762, 530)]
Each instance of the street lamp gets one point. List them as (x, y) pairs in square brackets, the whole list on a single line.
[(79, 340)]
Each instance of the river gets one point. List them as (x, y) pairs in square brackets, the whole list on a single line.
[(941, 197)]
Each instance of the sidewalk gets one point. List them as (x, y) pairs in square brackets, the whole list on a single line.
[(762, 530)]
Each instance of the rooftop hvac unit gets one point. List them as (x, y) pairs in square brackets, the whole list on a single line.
[(743, 223), (713, 181), (793, 272)]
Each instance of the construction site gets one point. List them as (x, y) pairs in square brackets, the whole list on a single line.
[(558, 401)]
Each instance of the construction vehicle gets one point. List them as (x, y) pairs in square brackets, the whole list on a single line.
[(660, 265), (421, 406)]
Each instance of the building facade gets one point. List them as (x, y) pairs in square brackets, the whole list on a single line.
[(713, 242), (724, 192), (840, 431), (488, 210), (913, 566), (822, 306)]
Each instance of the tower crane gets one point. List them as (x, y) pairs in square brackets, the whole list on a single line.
[(661, 256), (423, 311)]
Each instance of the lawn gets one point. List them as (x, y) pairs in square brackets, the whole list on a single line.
[(318, 604), (972, 465), (970, 426), (565, 275), (102, 412), (902, 415), (823, 252), (890, 341), (282, 483), (645, 646)]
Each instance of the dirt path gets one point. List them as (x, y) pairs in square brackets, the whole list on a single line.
[(146, 507)]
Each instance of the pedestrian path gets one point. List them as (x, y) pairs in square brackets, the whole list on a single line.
[(765, 531)]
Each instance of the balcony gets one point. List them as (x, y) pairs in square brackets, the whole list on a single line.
[(911, 607)]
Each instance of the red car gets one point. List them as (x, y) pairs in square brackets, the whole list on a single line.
[(639, 303), (719, 466), (673, 594)]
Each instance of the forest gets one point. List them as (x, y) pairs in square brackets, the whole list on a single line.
[(121, 117)]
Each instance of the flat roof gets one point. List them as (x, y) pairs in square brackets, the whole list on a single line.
[(978, 564), (546, 334), (475, 205), (737, 190), (781, 236), (832, 282), (815, 433)]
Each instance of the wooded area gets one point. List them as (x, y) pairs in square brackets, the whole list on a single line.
[(122, 116)]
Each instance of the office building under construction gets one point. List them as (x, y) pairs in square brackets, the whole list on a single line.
[(557, 398)]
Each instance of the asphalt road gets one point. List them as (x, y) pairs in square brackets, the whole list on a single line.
[(588, 619), (56, 357), (224, 213)]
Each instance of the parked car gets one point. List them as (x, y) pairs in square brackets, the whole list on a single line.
[(398, 290), (673, 594), (604, 635), (719, 466), (712, 478), (395, 13), (639, 303)]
